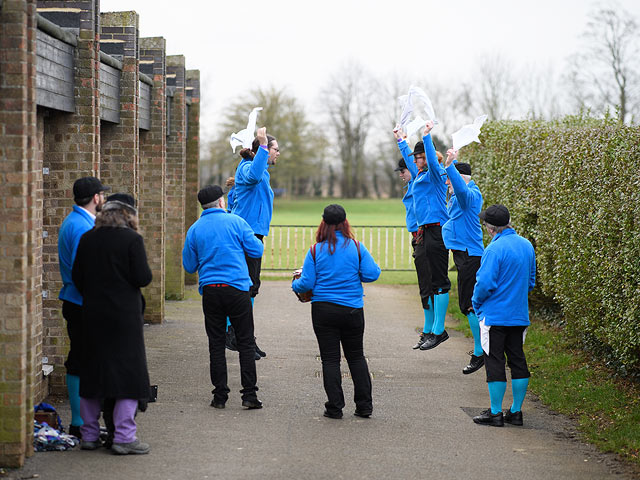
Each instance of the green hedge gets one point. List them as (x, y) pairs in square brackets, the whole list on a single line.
[(573, 188)]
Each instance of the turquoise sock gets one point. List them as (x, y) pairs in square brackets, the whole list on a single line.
[(428, 319), (519, 389), (474, 324), (252, 299), (496, 394), (440, 311), (228, 324), (73, 388)]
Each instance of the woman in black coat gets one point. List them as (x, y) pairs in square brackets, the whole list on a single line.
[(109, 269)]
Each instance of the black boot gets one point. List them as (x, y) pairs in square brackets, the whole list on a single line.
[(258, 350), (230, 340)]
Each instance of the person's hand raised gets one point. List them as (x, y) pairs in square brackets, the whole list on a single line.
[(451, 156), (399, 134), (428, 127), (261, 135)]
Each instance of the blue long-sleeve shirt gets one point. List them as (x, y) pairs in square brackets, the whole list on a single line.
[(407, 200), (253, 198), (506, 275), (337, 277), (215, 246), (462, 231), (429, 189), (77, 223)]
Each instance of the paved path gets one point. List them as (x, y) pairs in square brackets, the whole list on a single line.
[(421, 426)]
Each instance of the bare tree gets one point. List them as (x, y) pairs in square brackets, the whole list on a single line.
[(605, 73), (350, 102)]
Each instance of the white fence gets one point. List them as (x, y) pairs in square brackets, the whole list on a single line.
[(287, 245)]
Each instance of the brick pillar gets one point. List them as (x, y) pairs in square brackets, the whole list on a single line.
[(192, 206), (119, 141), (175, 179), (151, 198), (17, 246), (71, 149)]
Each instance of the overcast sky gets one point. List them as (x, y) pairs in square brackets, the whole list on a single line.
[(297, 44)]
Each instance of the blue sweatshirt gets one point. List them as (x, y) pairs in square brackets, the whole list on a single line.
[(253, 198), (462, 231), (215, 246), (407, 200), (230, 199), (506, 275), (337, 277), (77, 223), (429, 189)]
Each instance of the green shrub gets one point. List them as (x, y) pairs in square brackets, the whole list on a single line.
[(573, 188)]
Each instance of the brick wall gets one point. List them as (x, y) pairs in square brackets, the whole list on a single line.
[(17, 151), (119, 153), (71, 150), (192, 206), (175, 179), (151, 199)]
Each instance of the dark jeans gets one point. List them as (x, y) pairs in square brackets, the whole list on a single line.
[(335, 324), (467, 267), (431, 258), (72, 313), (505, 340), (254, 265), (218, 303)]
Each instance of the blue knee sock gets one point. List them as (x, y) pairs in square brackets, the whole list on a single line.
[(73, 388), (496, 394), (474, 324), (440, 311), (252, 299), (228, 324), (519, 389), (428, 319)]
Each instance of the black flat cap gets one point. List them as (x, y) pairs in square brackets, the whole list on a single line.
[(334, 214), (496, 215), (463, 168), (209, 194)]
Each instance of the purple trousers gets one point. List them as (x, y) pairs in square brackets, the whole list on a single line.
[(123, 418)]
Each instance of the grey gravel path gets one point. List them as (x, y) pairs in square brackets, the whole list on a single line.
[(421, 426)]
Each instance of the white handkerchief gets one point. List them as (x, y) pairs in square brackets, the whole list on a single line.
[(410, 103), (484, 336), (469, 133), (244, 137)]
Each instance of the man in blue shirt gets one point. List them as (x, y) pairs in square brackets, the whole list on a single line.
[(88, 194), (462, 235), (500, 298), (215, 246)]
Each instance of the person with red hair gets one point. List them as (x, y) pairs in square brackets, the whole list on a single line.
[(334, 270)]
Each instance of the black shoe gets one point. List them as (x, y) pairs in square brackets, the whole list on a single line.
[(434, 341), (257, 356), (488, 418), (328, 414), (259, 351), (230, 340), (75, 431), (362, 413), (474, 364), (217, 403), (252, 404), (423, 338), (514, 418)]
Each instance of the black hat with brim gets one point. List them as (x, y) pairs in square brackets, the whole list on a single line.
[(402, 165), (419, 148), (86, 187)]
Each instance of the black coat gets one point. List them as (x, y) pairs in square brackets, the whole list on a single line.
[(109, 269)]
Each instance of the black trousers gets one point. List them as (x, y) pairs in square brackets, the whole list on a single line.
[(72, 313), (467, 267), (334, 325), (218, 303), (505, 340), (431, 259), (254, 265)]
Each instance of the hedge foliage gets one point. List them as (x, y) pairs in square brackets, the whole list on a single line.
[(573, 188)]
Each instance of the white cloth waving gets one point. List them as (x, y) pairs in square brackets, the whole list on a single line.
[(244, 137), (469, 133)]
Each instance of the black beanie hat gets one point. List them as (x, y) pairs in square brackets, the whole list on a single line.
[(463, 168), (334, 214), (496, 215), (209, 194)]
